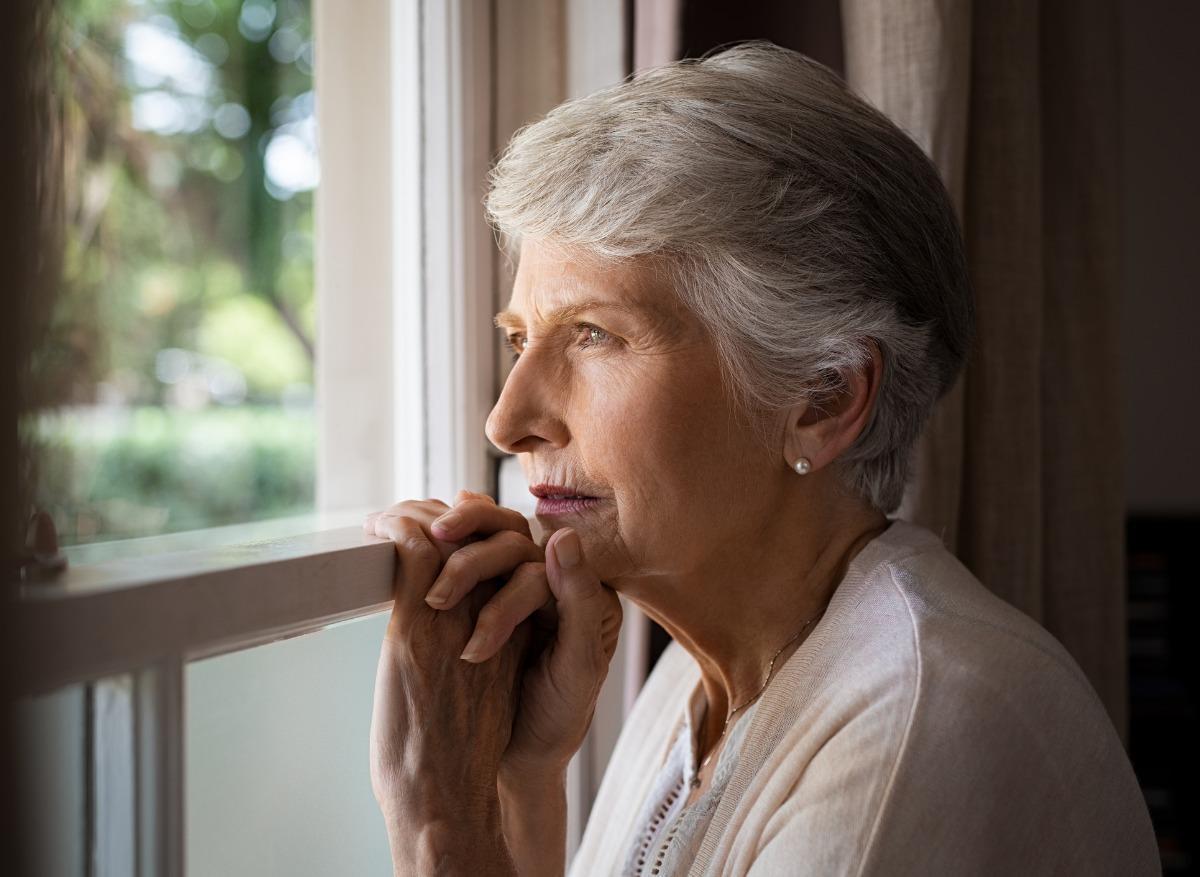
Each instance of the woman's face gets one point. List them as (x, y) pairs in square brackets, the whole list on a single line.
[(616, 396)]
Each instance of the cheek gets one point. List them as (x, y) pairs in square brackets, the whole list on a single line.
[(622, 415), (658, 435), (600, 401), (665, 442)]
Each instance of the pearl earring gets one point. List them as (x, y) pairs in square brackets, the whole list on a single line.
[(803, 466)]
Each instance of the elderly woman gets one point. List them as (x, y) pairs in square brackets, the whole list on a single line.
[(740, 291)]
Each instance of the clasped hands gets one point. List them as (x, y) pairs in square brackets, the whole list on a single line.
[(490, 668)]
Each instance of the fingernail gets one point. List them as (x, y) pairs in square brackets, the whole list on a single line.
[(436, 598), (567, 549), (476, 647), (448, 521)]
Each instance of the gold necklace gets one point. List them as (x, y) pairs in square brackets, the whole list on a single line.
[(673, 830), (752, 698)]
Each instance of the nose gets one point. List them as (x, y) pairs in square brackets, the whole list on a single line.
[(528, 413)]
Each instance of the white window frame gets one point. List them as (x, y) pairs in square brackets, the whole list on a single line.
[(400, 232)]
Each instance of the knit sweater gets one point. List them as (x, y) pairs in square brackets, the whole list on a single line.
[(925, 726)]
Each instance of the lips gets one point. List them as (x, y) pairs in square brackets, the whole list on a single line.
[(559, 499)]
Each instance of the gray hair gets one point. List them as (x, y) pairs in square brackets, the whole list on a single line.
[(799, 224)]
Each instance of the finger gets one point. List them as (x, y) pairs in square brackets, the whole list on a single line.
[(522, 595), (476, 514), (464, 494), (422, 519), (370, 522), (416, 508), (497, 555), (589, 616), (419, 560)]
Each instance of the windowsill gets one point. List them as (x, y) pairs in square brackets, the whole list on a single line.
[(199, 594), (211, 537)]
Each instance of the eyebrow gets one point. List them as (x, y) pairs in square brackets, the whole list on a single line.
[(510, 320)]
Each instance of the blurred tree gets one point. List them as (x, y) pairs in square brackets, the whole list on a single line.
[(188, 143), (267, 67), (170, 109)]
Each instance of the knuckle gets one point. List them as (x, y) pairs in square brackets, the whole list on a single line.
[(419, 548), (530, 569), (462, 562), (594, 662), (596, 592), (530, 578), (411, 508), (394, 522), (510, 539), (465, 495), (491, 617), (516, 522), (471, 505), (390, 527)]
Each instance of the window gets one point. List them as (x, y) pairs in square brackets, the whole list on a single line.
[(177, 375), (197, 701)]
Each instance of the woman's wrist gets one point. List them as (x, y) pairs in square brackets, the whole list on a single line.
[(533, 806), (442, 848), (468, 842), (530, 779)]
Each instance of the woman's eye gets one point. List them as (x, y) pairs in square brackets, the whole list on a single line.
[(592, 335), (516, 343), (587, 335)]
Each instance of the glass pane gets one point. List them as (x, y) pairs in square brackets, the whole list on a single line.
[(174, 390), (277, 758), (51, 740), (77, 756)]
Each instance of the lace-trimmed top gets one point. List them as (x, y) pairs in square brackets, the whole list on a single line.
[(670, 833)]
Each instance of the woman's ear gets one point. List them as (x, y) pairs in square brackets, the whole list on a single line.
[(820, 432)]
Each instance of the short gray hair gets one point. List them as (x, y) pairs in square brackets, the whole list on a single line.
[(799, 223)]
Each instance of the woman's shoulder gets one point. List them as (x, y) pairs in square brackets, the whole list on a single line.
[(962, 694), (916, 591), (921, 663), (930, 708), (999, 712)]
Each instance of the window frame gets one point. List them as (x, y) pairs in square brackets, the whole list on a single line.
[(400, 231)]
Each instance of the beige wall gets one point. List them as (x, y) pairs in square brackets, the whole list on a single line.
[(1161, 290)]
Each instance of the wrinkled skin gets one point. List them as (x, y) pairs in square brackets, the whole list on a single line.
[(457, 697), (615, 393), (559, 682)]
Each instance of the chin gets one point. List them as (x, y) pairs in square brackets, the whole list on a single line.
[(597, 540)]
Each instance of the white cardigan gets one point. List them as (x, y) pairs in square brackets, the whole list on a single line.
[(925, 726)]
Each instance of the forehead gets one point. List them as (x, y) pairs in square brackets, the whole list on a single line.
[(553, 279)]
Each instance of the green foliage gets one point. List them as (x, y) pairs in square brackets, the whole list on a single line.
[(245, 331), (165, 220), (136, 472), (178, 239)]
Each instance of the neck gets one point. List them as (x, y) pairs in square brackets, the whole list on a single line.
[(735, 610)]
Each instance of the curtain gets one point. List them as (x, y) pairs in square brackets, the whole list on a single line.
[(1020, 467)]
